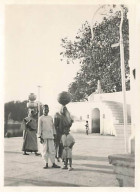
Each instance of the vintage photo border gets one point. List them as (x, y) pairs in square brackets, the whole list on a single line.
[(131, 3)]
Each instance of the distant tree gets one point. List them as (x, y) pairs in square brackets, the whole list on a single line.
[(99, 61), (8, 107), (20, 111), (14, 110)]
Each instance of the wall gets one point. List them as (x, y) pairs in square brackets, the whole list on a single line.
[(116, 96), (82, 111)]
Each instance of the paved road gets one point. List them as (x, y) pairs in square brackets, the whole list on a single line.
[(90, 163)]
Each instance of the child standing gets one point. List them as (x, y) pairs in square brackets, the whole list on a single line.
[(46, 133), (67, 141), (87, 127)]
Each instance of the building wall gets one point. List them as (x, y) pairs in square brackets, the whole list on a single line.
[(116, 96), (82, 111)]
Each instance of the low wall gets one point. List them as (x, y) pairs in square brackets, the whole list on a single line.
[(78, 127), (124, 168)]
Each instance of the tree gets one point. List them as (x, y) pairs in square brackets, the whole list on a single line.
[(14, 110), (97, 58)]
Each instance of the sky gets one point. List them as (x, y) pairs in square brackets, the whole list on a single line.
[(33, 36)]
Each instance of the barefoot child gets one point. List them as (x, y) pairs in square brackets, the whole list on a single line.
[(67, 142), (87, 127)]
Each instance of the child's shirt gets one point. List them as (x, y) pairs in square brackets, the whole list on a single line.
[(67, 140)]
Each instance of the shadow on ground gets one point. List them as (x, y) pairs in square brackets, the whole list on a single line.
[(94, 158), (97, 166), (94, 171), (28, 182), (13, 152)]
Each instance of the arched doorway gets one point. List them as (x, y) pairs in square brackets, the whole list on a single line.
[(95, 120)]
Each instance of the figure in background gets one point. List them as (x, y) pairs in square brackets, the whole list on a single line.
[(67, 141), (46, 133), (29, 127), (62, 121), (87, 127)]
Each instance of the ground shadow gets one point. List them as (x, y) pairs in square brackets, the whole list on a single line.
[(97, 166), (14, 152), (30, 182), (95, 171), (94, 158)]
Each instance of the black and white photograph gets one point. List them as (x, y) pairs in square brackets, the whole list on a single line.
[(70, 96)]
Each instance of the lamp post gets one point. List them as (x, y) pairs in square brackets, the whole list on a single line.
[(123, 79), (122, 74), (39, 100), (123, 83), (92, 35)]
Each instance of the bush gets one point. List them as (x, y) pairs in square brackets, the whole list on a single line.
[(8, 134), (13, 126), (13, 130)]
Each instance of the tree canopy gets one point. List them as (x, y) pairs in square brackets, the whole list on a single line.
[(15, 110), (98, 59)]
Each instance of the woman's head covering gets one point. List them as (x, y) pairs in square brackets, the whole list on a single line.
[(66, 113)]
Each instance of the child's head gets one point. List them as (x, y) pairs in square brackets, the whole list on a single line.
[(66, 130), (45, 109), (86, 121)]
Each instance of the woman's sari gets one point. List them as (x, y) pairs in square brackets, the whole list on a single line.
[(29, 127)]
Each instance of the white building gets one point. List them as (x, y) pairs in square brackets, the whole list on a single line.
[(104, 113)]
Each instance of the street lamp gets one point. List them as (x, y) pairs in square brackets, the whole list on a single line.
[(123, 82), (92, 34), (39, 100), (122, 74), (123, 79)]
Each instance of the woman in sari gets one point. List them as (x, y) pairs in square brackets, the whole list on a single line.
[(29, 127), (62, 121)]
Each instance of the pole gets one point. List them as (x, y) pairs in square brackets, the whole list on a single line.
[(122, 77), (39, 100), (123, 83), (38, 141), (92, 35)]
